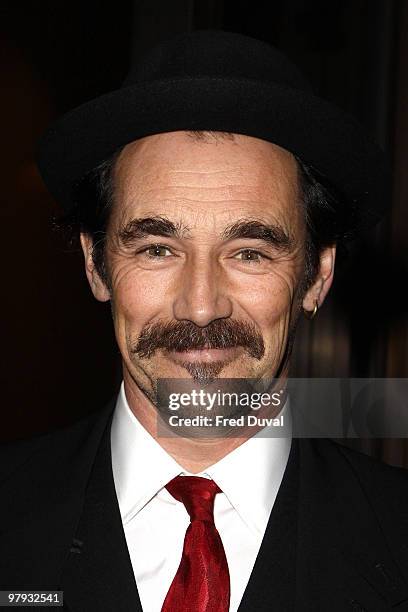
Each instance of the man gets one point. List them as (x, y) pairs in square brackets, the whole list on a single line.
[(210, 193)]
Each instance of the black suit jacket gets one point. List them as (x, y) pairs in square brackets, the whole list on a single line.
[(337, 538)]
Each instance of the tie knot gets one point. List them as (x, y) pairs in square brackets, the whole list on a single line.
[(197, 494)]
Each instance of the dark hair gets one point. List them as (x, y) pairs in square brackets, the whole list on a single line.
[(93, 200), (326, 224), (330, 218)]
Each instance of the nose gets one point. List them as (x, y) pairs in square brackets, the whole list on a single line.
[(201, 294)]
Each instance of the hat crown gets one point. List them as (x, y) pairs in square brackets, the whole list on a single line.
[(217, 54), (221, 81)]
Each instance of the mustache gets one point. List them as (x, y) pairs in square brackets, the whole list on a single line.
[(186, 335)]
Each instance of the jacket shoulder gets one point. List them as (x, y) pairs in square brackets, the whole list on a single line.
[(385, 489), (372, 471), (367, 496), (53, 448)]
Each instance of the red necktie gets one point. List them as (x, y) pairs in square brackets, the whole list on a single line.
[(201, 583)]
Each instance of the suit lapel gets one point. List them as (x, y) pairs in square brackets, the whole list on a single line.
[(98, 573), (323, 548), (272, 582), (41, 503), (343, 562)]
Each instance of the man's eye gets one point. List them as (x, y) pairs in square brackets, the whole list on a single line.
[(248, 255), (157, 250)]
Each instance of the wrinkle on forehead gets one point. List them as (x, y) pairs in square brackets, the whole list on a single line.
[(172, 172), (175, 159)]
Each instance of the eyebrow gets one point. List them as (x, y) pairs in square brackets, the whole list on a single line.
[(151, 226), (272, 234)]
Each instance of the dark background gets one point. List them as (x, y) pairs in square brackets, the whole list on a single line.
[(59, 355)]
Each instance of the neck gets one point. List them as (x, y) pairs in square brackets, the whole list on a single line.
[(192, 454)]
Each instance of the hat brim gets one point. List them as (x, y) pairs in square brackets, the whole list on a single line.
[(311, 128)]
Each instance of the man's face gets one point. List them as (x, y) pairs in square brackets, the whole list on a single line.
[(205, 255)]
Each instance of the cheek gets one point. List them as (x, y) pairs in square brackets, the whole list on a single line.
[(137, 298), (270, 299)]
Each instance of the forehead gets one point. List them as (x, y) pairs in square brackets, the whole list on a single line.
[(211, 175)]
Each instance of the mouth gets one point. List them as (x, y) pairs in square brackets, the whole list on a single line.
[(205, 355)]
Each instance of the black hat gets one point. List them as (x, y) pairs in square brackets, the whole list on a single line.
[(222, 81)]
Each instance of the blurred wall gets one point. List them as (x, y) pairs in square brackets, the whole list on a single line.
[(60, 358)]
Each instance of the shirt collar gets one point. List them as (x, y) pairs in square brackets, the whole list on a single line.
[(250, 475), (141, 467)]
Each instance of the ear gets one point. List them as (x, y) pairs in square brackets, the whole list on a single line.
[(98, 287), (322, 283)]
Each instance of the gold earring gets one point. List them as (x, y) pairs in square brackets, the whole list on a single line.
[(310, 314)]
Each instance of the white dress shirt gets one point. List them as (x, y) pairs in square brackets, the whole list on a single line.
[(155, 523)]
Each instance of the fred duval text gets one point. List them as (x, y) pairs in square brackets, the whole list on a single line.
[(249, 420)]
